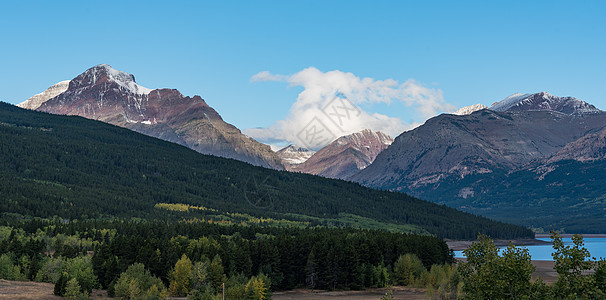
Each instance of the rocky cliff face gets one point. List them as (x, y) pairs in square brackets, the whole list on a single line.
[(346, 156), (36, 100), (105, 94)]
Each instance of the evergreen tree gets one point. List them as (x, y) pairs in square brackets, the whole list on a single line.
[(216, 274)]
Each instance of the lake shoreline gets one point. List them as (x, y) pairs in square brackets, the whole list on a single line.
[(569, 235), (462, 245)]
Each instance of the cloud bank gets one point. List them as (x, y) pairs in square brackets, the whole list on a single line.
[(328, 107)]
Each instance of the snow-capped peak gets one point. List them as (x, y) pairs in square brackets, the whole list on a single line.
[(467, 110), (36, 100), (508, 102), (544, 101), (125, 80), (294, 155)]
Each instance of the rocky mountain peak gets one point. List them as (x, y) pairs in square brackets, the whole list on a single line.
[(106, 94), (544, 101), (367, 136), (347, 155), (105, 74)]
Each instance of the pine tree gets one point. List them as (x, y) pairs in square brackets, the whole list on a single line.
[(216, 273)]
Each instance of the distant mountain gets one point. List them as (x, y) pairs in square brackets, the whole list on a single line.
[(36, 100), (346, 156), (293, 155), (467, 110), (474, 162), (544, 101), (105, 94), (76, 168)]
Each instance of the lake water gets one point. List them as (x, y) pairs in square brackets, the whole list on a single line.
[(596, 247)]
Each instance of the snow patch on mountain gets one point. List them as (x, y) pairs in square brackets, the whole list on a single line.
[(508, 102), (36, 100), (294, 155), (544, 101), (467, 110), (124, 80)]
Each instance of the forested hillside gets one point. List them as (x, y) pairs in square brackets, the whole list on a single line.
[(77, 168)]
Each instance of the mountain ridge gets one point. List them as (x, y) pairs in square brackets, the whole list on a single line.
[(105, 94), (345, 156), (460, 160), (36, 100), (73, 167)]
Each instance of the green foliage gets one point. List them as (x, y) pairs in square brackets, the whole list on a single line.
[(8, 270), (235, 288), (216, 275), (73, 290), (388, 295), (137, 282), (380, 276), (600, 274), (182, 276), (205, 294), (334, 258), (51, 270), (486, 275), (81, 269), (442, 282), (76, 168), (257, 288), (407, 268), (572, 266), (61, 284)]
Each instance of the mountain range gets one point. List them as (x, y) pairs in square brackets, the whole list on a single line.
[(529, 159), (106, 94), (75, 168), (345, 156), (505, 161)]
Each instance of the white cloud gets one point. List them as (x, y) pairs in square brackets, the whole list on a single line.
[(329, 106), (267, 76)]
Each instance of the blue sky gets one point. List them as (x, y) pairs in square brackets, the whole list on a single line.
[(467, 51)]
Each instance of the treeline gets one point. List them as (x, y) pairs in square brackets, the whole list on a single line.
[(83, 169), (97, 253)]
